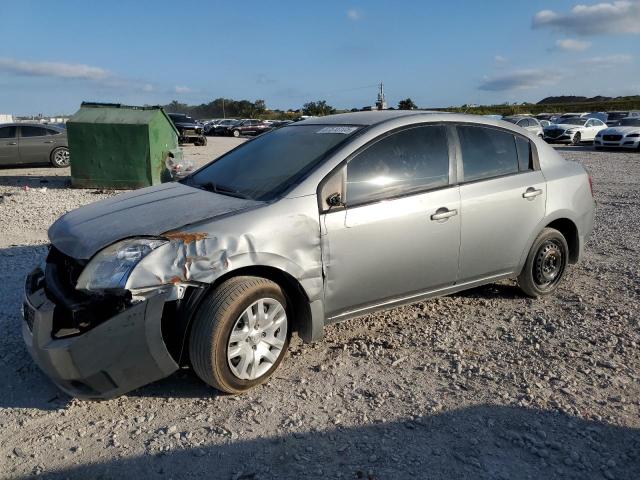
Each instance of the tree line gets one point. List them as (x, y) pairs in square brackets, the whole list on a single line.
[(230, 108)]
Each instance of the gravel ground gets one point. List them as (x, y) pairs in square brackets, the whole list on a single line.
[(481, 384)]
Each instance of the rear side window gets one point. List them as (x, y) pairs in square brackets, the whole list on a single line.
[(51, 131), (405, 162), (33, 131), (8, 132), (487, 152), (525, 156)]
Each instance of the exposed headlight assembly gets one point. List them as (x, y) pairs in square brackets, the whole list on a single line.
[(111, 267)]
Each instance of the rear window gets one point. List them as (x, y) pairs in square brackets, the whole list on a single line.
[(32, 131), (487, 153)]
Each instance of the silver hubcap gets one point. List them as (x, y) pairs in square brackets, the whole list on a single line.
[(257, 339), (61, 157)]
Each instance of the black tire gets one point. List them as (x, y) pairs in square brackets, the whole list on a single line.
[(577, 138), (59, 157), (236, 133), (545, 265), (201, 141), (212, 326)]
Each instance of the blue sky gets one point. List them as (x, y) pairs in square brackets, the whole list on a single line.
[(53, 55)]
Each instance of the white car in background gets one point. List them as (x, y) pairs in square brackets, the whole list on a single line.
[(528, 123), (574, 130), (626, 134)]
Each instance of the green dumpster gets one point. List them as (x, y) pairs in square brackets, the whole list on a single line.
[(119, 146)]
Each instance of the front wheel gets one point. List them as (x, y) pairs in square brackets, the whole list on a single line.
[(240, 334), (545, 265), (577, 138), (60, 157), (236, 133)]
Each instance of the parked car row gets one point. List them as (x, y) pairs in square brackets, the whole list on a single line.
[(618, 129), (237, 128)]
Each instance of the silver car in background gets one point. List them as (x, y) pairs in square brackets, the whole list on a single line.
[(529, 123), (309, 224), (24, 143), (625, 134)]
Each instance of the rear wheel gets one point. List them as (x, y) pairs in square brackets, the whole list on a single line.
[(577, 138), (240, 334), (545, 265), (60, 157)]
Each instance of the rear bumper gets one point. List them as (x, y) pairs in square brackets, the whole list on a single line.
[(122, 353)]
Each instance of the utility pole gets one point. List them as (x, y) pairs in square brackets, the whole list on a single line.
[(381, 104), (223, 114)]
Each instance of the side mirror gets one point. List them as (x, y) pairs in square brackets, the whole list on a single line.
[(335, 200)]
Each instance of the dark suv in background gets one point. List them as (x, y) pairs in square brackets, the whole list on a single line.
[(189, 130)]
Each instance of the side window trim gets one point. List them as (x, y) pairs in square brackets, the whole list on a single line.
[(458, 149), (452, 145)]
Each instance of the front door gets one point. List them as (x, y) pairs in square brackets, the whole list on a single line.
[(9, 152), (398, 234)]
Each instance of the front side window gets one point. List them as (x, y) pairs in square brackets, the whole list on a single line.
[(8, 132), (487, 152), (33, 131), (265, 167), (405, 162)]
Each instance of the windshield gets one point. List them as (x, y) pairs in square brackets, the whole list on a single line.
[(616, 115), (263, 168), (573, 121), (629, 122)]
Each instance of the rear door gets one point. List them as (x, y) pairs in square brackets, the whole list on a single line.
[(502, 195), (35, 144), (398, 233), (9, 152)]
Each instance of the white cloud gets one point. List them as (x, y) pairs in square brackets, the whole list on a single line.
[(520, 80), (617, 17), (147, 87), (353, 14), (607, 61), (572, 45), (181, 89), (499, 59), (52, 69)]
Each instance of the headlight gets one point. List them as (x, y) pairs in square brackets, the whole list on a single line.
[(633, 135), (599, 134), (111, 267)]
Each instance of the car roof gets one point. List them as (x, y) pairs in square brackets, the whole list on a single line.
[(372, 117), (31, 124)]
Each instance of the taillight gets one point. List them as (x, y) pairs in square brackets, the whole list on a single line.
[(591, 185)]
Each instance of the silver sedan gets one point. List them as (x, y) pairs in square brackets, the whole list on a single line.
[(310, 224), (24, 143)]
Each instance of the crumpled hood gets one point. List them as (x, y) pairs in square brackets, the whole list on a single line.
[(149, 211)]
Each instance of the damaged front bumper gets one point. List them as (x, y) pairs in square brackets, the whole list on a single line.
[(118, 355)]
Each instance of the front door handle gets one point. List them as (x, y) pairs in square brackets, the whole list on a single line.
[(12, 143), (443, 213), (50, 141), (532, 193)]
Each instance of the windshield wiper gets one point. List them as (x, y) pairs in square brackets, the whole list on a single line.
[(224, 190)]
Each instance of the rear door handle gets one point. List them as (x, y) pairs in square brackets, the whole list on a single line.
[(532, 192), (443, 213), (12, 143), (50, 141)]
